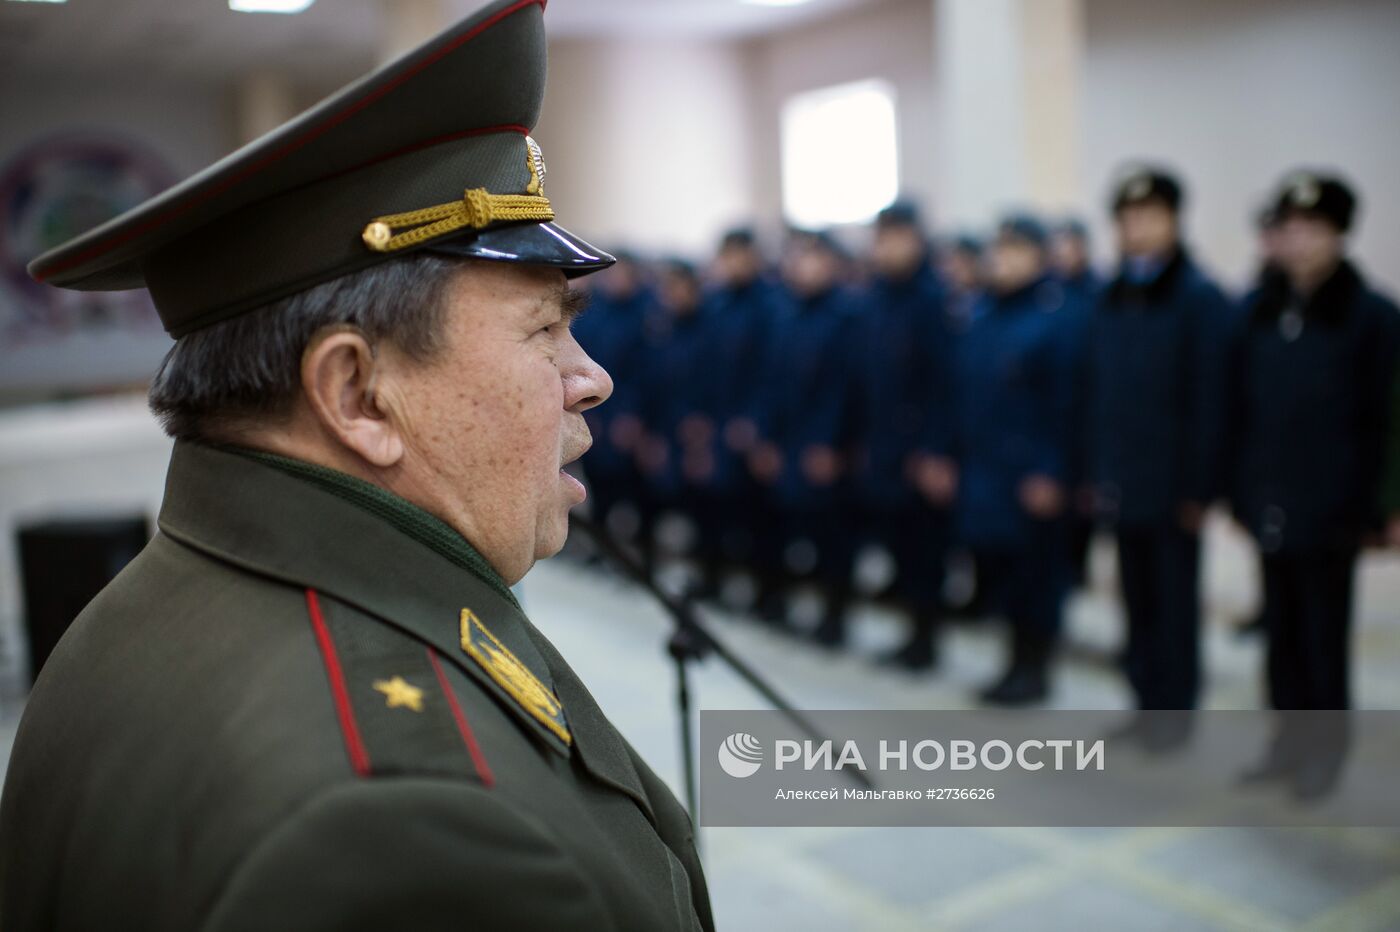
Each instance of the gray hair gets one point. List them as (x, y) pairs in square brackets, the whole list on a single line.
[(248, 368)]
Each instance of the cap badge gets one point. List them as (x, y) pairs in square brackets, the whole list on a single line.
[(512, 676), (537, 169), (1305, 193)]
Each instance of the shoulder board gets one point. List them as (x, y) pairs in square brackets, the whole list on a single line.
[(395, 704)]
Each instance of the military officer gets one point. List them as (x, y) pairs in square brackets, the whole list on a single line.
[(1013, 398), (1311, 386), (905, 471), (313, 702), (1155, 428), (806, 427)]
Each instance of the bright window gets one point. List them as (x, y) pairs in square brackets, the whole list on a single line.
[(839, 151)]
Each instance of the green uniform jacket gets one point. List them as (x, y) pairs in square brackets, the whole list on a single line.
[(310, 705)]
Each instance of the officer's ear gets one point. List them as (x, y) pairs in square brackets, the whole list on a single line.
[(340, 378)]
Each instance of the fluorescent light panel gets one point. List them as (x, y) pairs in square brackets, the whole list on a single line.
[(269, 6)]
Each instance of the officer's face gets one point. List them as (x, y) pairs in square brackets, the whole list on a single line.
[(1308, 247), (492, 418), (1146, 229)]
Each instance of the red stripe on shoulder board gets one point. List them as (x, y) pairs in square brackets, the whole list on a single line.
[(478, 759), (285, 150), (354, 744)]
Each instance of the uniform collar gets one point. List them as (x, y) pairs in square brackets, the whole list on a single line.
[(402, 514), (317, 529), (1330, 303), (1125, 290)]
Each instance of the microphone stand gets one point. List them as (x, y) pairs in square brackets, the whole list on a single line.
[(690, 641)]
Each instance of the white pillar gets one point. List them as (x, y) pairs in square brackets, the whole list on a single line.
[(1053, 48), (1008, 77)]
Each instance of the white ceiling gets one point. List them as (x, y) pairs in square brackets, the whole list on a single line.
[(329, 43)]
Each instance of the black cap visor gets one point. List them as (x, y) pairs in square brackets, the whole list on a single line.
[(532, 243)]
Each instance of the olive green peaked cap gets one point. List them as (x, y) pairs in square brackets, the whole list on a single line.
[(430, 152)]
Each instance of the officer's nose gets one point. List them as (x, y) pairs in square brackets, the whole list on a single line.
[(586, 384)]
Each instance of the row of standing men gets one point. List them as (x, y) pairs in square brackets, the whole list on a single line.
[(1007, 401)]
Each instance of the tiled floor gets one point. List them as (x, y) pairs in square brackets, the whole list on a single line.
[(993, 879), (986, 879)]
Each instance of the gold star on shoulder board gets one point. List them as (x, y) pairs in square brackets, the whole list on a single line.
[(398, 692)]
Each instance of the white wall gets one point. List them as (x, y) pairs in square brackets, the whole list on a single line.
[(1236, 92), (646, 142), (892, 41)]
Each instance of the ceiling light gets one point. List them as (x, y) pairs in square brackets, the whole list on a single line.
[(40, 1), (269, 6), (773, 2)]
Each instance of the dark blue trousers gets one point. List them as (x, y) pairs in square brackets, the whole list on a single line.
[(1159, 568)]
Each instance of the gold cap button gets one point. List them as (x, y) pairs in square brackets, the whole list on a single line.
[(377, 236)]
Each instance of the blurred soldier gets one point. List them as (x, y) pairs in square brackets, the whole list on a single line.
[(1013, 395), (739, 314), (1266, 228), (1156, 371), (1391, 492), (904, 390), (676, 452), (1069, 254), (805, 425), (1311, 390), (960, 267), (614, 332)]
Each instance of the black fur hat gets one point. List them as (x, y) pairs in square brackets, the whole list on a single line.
[(1318, 195)]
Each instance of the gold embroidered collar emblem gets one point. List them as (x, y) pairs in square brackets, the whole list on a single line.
[(513, 676)]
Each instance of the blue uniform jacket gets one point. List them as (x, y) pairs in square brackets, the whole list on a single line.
[(1155, 386), (806, 396), (1013, 401), (740, 323), (1309, 392), (1083, 289), (680, 366), (903, 382)]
